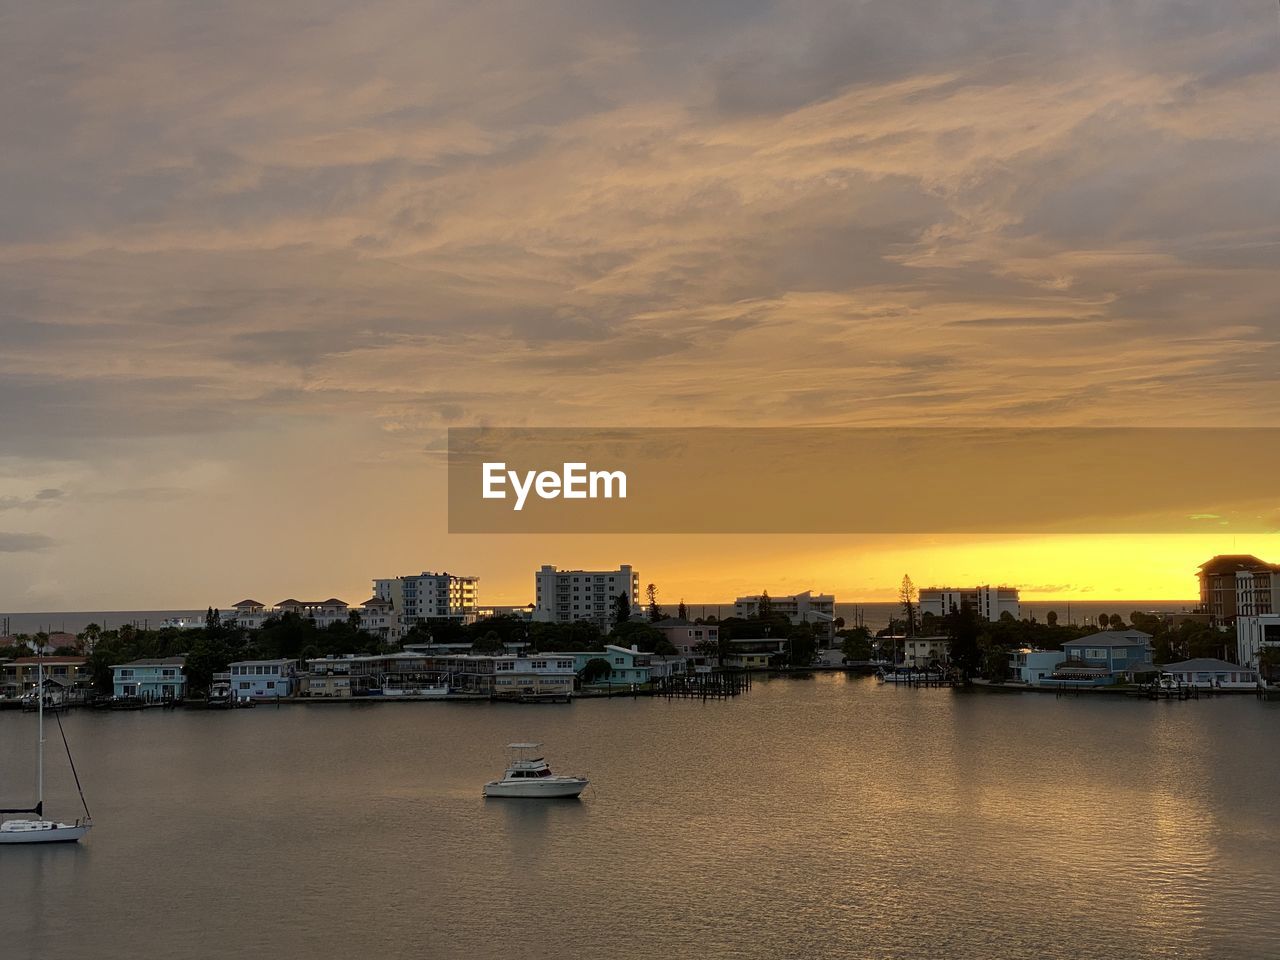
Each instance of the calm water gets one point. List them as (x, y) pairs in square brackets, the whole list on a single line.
[(817, 818)]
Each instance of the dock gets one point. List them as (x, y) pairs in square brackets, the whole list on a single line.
[(715, 685)]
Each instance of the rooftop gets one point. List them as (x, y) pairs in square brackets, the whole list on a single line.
[(153, 662), (1113, 638), (1208, 664)]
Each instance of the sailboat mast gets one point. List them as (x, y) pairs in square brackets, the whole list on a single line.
[(40, 734)]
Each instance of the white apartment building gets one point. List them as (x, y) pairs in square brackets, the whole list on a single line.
[(816, 609), (375, 615), (428, 596), (1255, 633), (987, 601), (567, 596)]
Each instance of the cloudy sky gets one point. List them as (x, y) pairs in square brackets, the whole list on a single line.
[(255, 258)]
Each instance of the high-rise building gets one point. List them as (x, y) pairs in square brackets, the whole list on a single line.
[(1241, 585), (428, 596), (990, 603), (567, 596)]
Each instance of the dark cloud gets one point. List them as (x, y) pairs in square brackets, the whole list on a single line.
[(24, 542), (41, 498)]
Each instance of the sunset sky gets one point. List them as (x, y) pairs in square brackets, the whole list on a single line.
[(256, 258)]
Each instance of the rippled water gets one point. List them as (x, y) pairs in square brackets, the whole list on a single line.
[(816, 817)]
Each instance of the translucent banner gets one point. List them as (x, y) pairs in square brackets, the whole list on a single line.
[(863, 480)]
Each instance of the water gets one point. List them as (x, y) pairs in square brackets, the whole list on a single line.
[(822, 817)]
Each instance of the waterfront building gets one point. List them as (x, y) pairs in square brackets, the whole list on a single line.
[(375, 615), (248, 613), (252, 615), (1233, 585), (1254, 634), (627, 665), (348, 676), (922, 652), (1108, 657), (428, 596), (569, 596), (546, 674), (264, 679), (1208, 672), (816, 609), (20, 675), (697, 643), (1032, 666), (755, 653), (150, 678), (988, 602)]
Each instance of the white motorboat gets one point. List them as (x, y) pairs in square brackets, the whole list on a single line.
[(41, 830), (529, 777)]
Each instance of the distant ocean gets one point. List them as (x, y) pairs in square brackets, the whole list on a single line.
[(75, 621), (874, 615), (877, 615)]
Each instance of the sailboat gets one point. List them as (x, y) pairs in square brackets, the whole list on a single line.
[(41, 830)]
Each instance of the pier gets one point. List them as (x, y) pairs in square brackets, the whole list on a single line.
[(716, 685)]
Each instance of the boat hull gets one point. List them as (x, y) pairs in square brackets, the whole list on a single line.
[(42, 831), (415, 693), (567, 787)]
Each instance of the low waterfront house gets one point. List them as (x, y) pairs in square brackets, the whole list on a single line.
[(542, 675), (926, 651), (264, 679), (1206, 672), (756, 653), (151, 679), (1033, 666), (1112, 656), (348, 676), (697, 643), (19, 676)]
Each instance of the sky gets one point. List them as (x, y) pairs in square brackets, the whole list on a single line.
[(256, 258)]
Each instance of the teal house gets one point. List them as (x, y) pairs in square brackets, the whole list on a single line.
[(150, 680), (628, 665)]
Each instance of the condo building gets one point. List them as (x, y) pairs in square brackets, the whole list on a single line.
[(374, 615), (428, 596), (1238, 585), (568, 596), (990, 603), (817, 609)]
